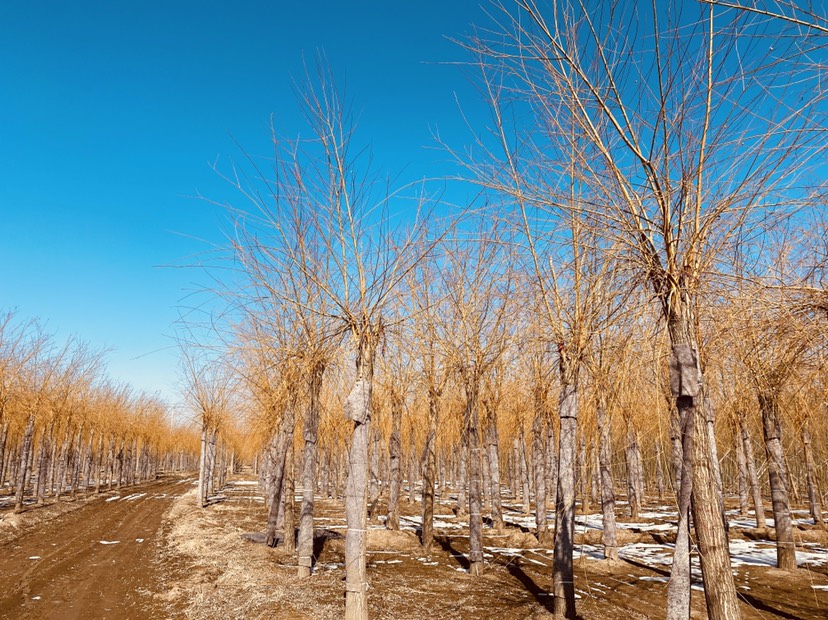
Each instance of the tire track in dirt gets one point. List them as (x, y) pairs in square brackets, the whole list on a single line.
[(75, 574)]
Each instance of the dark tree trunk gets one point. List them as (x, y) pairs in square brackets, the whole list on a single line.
[(753, 476), (23, 468), (275, 474)]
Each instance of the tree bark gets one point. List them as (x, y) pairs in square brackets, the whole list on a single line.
[(472, 419), (358, 409), (538, 467), (563, 577), (608, 536), (22, 473), (275, 474), (494, 465), (310, 435), (742, 473), (785, 548), (810, 471), (753, 476), (392, 522), (430, 471)]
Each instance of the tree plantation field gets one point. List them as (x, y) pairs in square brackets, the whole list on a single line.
[(582, 373)]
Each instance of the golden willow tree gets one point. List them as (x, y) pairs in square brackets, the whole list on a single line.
[(690, 130), (320, 214)]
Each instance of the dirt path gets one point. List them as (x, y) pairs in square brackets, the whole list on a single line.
[(99, 561)]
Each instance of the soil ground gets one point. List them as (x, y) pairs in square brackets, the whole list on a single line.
[(199, 564), (92, 558)]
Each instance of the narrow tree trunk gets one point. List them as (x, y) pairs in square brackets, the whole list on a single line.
[(494, 463), (392, 522), (538, 452), (741, 465), (810, 472), (429, 473), (524, 473), (551, 465), (202, 468), (659, 471), (609, 534), (472, 424), (277, 456), (785, 548), (633, 454), (753, 476), (289, 497), (563, 569), (22, 473)]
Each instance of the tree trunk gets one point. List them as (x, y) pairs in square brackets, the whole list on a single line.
[(494, 464), (275, 474), (563, 576), (392, 522), (810, 472), (608, 536), (22, 472), (742, 473), (659, 471), (524, 473), (785, 548), (310, 435), (430, 471), (753, 476), (472, 419), (289, 497), (202, 468), (634, 474), (538, 467), (358, 409)]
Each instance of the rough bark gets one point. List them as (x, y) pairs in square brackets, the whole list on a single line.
[(753, 476), (430, 471), (524, 473), (785, 548), (310, 435), (358, 409), (814, 503), (538, 467), (275, 474), (472, 419), (563, 576), (202, 469), (392, 522), (288, 498), (608, 536), (742, 473), (22, 472), (492, 440)]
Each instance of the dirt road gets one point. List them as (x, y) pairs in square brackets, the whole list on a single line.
[(99, 561)]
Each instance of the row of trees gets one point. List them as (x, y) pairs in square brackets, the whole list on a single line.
[(650, 177), (65, 429)]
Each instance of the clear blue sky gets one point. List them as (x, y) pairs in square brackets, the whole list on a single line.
[(110, 113)]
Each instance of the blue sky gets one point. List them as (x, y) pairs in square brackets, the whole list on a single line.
[(111, 113)]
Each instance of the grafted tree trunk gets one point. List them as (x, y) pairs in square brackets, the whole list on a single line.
[(310, 435), (814, 504), (785, 548), (609, 535), (563, 577), (430, 470), (358, 409), (492, 440), (395, 456)]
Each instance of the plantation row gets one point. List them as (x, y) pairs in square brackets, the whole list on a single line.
[(622, 278), (64, 429)]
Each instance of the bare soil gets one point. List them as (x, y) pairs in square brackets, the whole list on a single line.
[(91, 558)]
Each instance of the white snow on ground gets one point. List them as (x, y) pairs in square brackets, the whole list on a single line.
[(139, 540), (242, 483), (34, 557), (113, 498), (413, 522), (134, 496), (815, 587), (109, 542)]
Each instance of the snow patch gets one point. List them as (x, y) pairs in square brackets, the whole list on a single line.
[(109, 542)]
